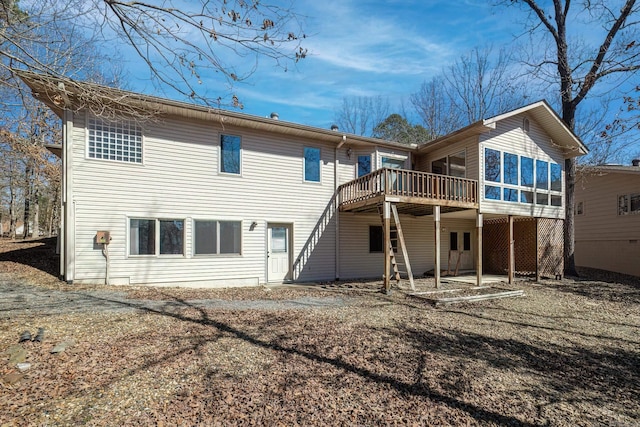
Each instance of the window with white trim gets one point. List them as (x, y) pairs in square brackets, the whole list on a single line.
[(213, 237), (521, 179), (156, 236), (311, 164), (230, 158), (119, 140)]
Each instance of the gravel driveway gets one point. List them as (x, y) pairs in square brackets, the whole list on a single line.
[(22, 298)]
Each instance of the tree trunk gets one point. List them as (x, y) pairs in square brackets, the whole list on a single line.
[(12, 212), (36, 212), (569, 223), (27, 200)]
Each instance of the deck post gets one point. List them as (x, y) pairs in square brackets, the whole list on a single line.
[(436, 225), (478, 247), (386, 216), (512, 255), (537, 250)]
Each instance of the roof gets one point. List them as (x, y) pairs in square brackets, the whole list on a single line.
[(60, 93), (540, 111), (606, 169)]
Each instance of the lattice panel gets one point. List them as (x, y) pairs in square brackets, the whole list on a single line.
[(550, 247), (495, 246), (524, 234)]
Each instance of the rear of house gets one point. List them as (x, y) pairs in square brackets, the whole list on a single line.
[(201, 197), (608, 218)]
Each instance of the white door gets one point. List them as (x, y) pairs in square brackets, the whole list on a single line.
[(278, 252)]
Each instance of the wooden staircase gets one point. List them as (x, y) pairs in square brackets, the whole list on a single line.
[(399, 266)]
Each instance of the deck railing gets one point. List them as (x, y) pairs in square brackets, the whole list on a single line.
[(408, 183)]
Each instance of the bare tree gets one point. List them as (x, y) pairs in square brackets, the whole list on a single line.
[(575, 66), (360, 114), (477, 85), (178, 42)]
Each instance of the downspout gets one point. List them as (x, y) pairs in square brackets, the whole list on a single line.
[(336, 164)]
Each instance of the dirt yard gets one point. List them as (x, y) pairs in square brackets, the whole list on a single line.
[(565, 354)]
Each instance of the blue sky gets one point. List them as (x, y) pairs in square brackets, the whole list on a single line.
[(365, 48)]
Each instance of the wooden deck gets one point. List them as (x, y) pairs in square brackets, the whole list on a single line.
[(413, 192)]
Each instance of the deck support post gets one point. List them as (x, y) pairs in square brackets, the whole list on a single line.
[(386, 216), (478, 247), (537, 250), (436, 226), (512, 254)]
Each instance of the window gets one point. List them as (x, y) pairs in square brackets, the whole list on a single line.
[(364, 165), (522, 179), (491, 192), (279, 239), (542, 174), (510, 169), (491, 165), (525, 125), (466, 241), (452, 165), (388, 162), (510, 195), (629, 204), (311, 164), (217, 237), (114, 140), (376, 238), (556, 177), (453, 241), (526, 171), (145, 233), (580, 208), (230, 154)]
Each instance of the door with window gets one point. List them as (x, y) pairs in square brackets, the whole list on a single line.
[(278, 252), (394, 163), (460, 245)]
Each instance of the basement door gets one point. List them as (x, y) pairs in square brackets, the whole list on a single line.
[(460, 245), (278, 252)]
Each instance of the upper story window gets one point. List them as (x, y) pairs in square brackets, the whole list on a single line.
[(521, 179), (230, 154), (629, 204), (114, 140), (525, 125), (312, 164), (452, 165), (364, 165), (393, 162)]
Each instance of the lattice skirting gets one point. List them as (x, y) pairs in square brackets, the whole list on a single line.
[(537, 242)]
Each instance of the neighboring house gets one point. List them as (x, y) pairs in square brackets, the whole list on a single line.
[(204, 197), (607, 218)]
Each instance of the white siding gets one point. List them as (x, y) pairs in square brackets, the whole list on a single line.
[(470, 147), (357, 262), (179, 179), (510, 137)]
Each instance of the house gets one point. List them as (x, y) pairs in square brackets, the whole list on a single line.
[(197, 196), (607, 218)]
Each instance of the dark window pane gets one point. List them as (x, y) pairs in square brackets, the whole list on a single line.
[(491, 165), (453, 241), (458, 165), (439, 166), (376, 238), (230, 237), (526, 171), (171, 237), (556, 177), (542, 199), (635, 203), (556, 200), (491, 192), (526, 197), (230, 154), (364, 165), (542, 174), (623, 205), (510, 195), (312, 164), (467, 241), (142, 237), (510, 169), (206, 237)]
